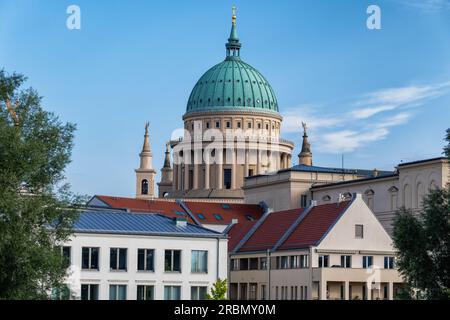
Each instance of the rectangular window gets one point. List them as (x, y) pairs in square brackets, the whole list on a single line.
[(243, 264), (303, 201), (146, 260), (172, 261), (389, 263), (346, 261), (199, 261), (252, 295), (359, 231), (367, 261), (217, 124), (234, 264), (172, 293), (263, 292), (249, 125), (89, 292), (228, 124), (294, 262), (263, 263), (89, 258), (118, 259), (324, 261), (207, 125), (227, 178), (276, 293), (67, 256), (304, 261), (253, 264), (145, 293), (251, 172), (198, 293), (61, 293), (284, 262), (306, 293), (117, 292), (239, 125)]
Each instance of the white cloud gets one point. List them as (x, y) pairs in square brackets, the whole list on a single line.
[(348, 131)]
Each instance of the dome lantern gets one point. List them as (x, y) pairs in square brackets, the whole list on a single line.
[(233, 45)]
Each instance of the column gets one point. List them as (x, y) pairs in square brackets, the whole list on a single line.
[(233, 170), (246, 163), (347, 290), (179, 178), (369, 290), (219, 170), (258, 161), (206, 175), (322, 290), (391, 291), (175, 176), (186, 176)]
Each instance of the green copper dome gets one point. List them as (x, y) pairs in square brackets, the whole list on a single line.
[(232, 85)]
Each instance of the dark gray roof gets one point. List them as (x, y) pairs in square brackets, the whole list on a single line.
[(107, 221), (421, 161), (361, 172)]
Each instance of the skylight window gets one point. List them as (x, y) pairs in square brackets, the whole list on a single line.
[(226, 206), (180, 213), (249, 217), (201, 216), (217, 216)]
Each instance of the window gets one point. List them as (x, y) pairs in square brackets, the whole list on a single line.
[(276, 293), (252, 295), (253, 263), (367, 261), (89, 258), (207, 125), (227, 178), (117, 292), (324, 261), (239, 125), (172, 261), (294, 262), (144, 186), (263, 292), (118, 259), (146, 259), (251, 172), (303, 200), (243, 264), (267, 126), (284, 262), (201, 216), (145, 293), (198, 293), (228, 124), (67, 256), (217, 124), (234, 264), (249, 125), (389, 263), (359, 231), (226, 206), (259, 125), (199, 261), (304, 261), (217, 216), (89, 292), (172, 293), (346, 261), (263, 263)]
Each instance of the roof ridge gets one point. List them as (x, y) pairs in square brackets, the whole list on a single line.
[(291, 229)]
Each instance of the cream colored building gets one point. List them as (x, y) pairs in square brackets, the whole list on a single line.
[(332, 251)]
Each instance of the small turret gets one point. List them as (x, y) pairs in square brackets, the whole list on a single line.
[(145, 175), (305, 156), (165, 185)]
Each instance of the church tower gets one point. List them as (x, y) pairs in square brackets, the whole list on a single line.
[(165, 185), (305, 156), (145, 175)]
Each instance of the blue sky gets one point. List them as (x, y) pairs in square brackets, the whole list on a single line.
[(378, 96)]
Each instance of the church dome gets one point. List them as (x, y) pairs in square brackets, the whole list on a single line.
[(232, 85)]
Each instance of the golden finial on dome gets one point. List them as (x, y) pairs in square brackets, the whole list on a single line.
[(233, 17)]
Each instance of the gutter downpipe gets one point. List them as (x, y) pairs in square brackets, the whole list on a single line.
[(269, 262)]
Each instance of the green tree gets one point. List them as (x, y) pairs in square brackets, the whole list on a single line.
[(423, 244), (218, 291), (36, 207)]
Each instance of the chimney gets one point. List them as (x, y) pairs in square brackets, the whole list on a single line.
[(375, 173)]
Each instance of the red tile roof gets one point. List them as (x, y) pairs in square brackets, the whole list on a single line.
[(237, 232), (228, 211), (271, 230), (314, 226), (309, 231), (165, 207), (208, 210)]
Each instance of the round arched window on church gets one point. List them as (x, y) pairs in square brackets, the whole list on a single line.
[(144, 186)]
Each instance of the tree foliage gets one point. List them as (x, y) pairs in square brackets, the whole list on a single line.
[(36, 208), (218, 291), (423, 244), (447, 147)]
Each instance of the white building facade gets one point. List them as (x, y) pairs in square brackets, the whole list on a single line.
[(129, 256)]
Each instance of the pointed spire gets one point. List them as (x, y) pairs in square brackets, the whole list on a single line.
[(167, 156), (146, 146), (233, 45), (305, 156)]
